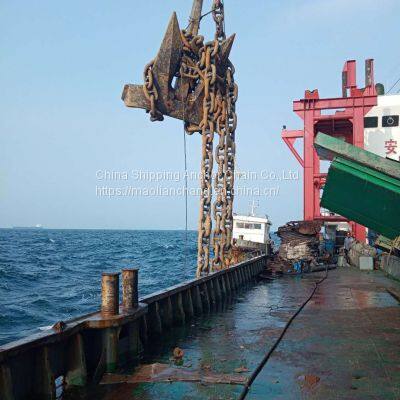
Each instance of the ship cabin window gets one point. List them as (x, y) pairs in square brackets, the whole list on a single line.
[(242, 225), (390, 120), (370, 122)]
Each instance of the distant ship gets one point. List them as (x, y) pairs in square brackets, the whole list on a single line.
[(38, 226)]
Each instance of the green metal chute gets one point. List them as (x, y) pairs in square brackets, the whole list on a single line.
[(361, 186)]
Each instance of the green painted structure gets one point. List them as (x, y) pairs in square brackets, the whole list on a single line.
[(361, 186)]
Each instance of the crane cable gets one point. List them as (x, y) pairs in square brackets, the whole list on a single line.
[(261, 365), (398, 80), (186, 193), (186, 202)]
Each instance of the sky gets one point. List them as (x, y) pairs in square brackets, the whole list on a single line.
[(65, 133)]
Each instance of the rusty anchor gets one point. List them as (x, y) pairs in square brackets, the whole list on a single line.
[(193, 81), (174, 97)]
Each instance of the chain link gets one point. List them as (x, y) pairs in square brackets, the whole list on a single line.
[(151, 92), (219, 18)]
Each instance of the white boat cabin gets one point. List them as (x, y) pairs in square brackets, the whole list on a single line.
[(251, 228)]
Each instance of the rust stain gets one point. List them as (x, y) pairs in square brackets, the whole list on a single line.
[(309, 381), (165, 373), (178, 353)]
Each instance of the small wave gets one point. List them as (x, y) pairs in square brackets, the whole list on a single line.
[(45, 328), (4, 285), (41, 302)]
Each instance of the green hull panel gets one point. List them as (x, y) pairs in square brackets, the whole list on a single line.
[(364, 195), (329, 147)]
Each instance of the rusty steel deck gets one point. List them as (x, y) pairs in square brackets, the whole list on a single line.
[(344, 345)]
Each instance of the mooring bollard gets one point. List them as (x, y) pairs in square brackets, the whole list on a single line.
[(130, 296), (110, 293)]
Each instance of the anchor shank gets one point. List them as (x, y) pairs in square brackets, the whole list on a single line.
[(195, 16)]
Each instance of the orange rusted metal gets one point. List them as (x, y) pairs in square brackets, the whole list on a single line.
[(110, 293), (130, 288)]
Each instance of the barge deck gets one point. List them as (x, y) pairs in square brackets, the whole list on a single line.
[(343, 345)]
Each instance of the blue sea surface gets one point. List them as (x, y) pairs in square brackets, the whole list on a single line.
[(50, 275)]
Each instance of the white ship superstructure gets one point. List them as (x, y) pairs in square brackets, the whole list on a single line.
[(381, 127)]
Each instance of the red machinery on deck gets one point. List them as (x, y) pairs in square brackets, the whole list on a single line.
[(345, 120)]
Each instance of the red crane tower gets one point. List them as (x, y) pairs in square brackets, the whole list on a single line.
[(340, 117)]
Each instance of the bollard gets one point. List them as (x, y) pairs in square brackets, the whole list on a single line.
[(130, 296), (110, 294)]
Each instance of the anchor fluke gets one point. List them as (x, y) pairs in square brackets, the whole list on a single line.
[(163, 70), (226, 48), (169, 56)]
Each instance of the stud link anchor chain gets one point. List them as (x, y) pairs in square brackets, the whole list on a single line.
[(203, 67)]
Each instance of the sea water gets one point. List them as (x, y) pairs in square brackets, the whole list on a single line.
[(50, 275)]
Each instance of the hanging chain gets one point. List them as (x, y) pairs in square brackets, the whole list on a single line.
[(208, 73), (230, 152), (220, 94), (225, 155), (219, 207), (199, 67), (151, 92), (219, 18), (224, 182)]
